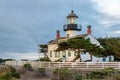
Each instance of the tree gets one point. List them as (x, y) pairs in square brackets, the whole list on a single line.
[(111, 46), (43, 49), (78, 45), (14, 72), (3, 60), (45, 59)]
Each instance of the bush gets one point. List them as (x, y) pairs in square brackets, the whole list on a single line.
[(55, 71), (64, 74), (13, 72), (28, 67), (78, 77), (42, 71), (5, 77), (9, 73), (105, 74), (45, 59)]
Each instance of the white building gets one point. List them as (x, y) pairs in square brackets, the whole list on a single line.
[(34, 64), (72, 30)]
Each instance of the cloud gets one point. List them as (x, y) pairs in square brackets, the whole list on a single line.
[(110, 9), (26, 23), (115, 33)]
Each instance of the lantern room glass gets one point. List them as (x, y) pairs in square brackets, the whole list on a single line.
[(72, 20)]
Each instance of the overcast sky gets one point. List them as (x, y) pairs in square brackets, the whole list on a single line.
[(26, 23)]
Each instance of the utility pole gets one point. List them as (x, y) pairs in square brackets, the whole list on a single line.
[(27, 73), (58, 75), (39, 55)]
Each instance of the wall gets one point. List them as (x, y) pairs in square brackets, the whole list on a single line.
[(72, 33)]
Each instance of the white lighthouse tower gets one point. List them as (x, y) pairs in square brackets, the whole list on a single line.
[(71, 27)]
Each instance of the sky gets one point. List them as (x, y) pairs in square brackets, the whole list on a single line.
[(26, 23)]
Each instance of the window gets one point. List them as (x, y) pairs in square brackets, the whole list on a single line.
[(68, 35), (50, 53), (104, 59), (72, 20), (64, 53), (88, 39), (57, 54), (81, 52), (69, 53), (75, 53)]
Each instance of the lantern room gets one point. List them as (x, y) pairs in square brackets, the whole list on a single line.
[(71, 23), (72, 18)]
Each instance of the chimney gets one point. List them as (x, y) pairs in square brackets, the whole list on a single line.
[(57, 34), (89, 29)]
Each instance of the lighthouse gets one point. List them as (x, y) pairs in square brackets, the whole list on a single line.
[(71, 27)]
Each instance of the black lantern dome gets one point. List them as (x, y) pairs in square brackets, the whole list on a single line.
[(72, 14), (72, 22)]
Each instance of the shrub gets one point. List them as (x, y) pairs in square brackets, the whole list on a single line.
[(78, 77), (13, 72), (42, 71), (105, 74), (45, 59), (64, 74), (28, 67)]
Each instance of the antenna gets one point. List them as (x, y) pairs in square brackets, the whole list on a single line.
[(72, 5)]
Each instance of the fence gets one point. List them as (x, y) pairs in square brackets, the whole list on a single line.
[(80, 65), (74, 65)]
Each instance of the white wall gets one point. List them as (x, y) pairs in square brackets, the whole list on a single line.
[(72, 33), (93, 40), (17, 63), (52, 47), (95, 59)]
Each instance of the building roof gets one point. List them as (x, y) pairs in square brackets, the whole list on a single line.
[(72, 14), (82, 35), (55, 41)]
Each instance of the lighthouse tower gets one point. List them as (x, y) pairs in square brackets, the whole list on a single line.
[(71, 27)]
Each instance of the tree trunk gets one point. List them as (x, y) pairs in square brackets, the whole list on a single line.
[(77, 57), (90, 56)]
